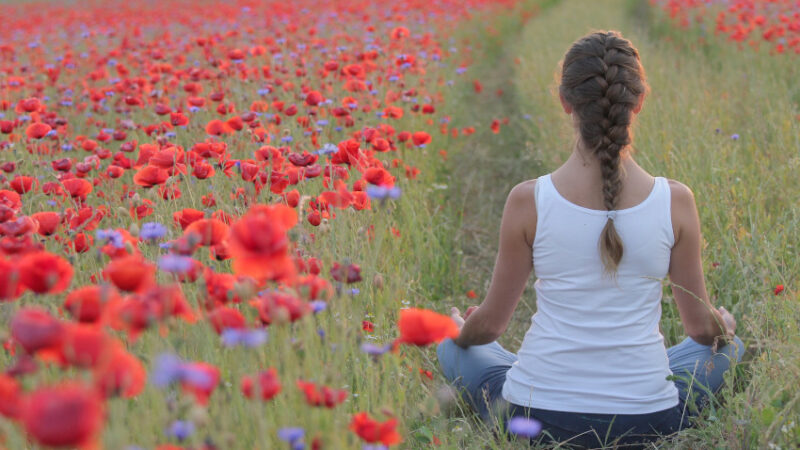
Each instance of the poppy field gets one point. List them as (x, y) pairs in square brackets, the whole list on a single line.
[(237, 224)]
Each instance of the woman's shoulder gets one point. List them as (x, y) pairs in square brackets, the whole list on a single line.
[(521, 208), (683, 209), (524, 193), (682, 195)]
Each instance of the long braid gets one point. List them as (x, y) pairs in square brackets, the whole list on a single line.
[(602, 79)]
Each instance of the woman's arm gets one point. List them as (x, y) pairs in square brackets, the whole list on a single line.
[(700, 320), (512, 268)]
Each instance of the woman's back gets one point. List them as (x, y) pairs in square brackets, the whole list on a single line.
[(594, 344)]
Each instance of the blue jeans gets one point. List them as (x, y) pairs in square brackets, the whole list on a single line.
[(480, 371)]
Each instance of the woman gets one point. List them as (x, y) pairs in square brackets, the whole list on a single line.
[(602, 233)]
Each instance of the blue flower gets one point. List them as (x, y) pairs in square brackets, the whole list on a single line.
[(375, 350), (381, 192), (168, 370), (232, 337), (113, 237), (522, 426), (152, 231), (171, 369), (180, 429), (327, 149), (318, 306), (291, 434), (735, 137), (173, 263)]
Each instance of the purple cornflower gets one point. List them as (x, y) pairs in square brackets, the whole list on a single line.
[(735, 136), (522, 426), (232, 337), (327, 149), (318, 305), (375, 350), (180, 429), (113, 237), (381, 192), (170, 369), (152, 231), (291, 434), (173, 263)]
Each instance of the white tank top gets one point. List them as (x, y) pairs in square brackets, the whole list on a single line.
[(594, 345)]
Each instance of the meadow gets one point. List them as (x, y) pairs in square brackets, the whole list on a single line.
[(445, 108)]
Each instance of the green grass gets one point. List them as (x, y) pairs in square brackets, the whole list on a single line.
[(746, 192)]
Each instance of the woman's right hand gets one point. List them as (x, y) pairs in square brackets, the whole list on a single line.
[(730, 321)]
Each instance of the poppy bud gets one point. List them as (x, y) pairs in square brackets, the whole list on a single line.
[(377, 281)]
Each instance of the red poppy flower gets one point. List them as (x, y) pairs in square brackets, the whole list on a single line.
[(84, 345), (78, 188), (223, 317), (10, 397), (150, 176), (217, 127), (23, 184), (130, 273), (259, 243), (421, 138), (202, 391), (85, 304), (10, 200), (495, 126), (48, 222), (44, 272), (422, 327), (268, 384), (318, 288), (302, 160), (35, 329), (10, 285), (210, 231), (68, 414), (19, 227), (219, 289), (169, 301), (340, 199), (370, 430), (314, 98), (360, 201), (202, 170), (121, 374), (280, 307), (37, 130), (778, 289), (319, 395), (81, 243), (350, 273), (186, 216)]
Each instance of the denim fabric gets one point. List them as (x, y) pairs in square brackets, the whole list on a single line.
[(480, 371)]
